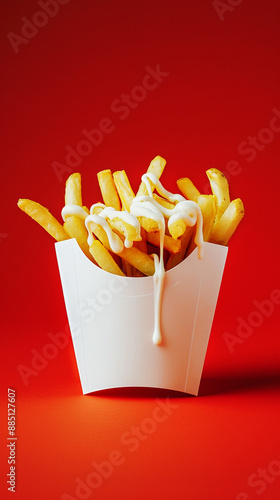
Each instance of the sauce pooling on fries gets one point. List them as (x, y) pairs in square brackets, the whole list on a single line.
[(144, 206), (185, 210)]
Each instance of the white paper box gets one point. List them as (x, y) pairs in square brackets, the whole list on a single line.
[(111, 320)]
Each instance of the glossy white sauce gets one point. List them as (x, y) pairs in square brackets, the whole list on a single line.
[(186, 210)]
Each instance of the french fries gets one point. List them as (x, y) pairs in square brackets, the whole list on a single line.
[(73, 225), (73, 190), (220, 216), (141, 261), (170, 244), (207, 206), (188, 189), (150, 225), (177, 229), (124, 228), (75, 228), (133, 255), (175, 258), (124, 189), (41, 215), (108, 189), (156, 167), (225, 227), (220, 190), (163, 202), (104, 259)]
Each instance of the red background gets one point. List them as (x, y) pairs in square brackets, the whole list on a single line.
[(222, 86)]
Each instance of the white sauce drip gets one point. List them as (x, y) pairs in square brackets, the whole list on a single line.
[(186, 210), (145, 206), (115, 241), (110, 213)]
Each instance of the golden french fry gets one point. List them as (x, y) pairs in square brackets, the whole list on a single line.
[(73, 225), (176, 258), (119, 225), (75, 228), (124, 228), (150, 225), (220, 190), (156, 167), (133, 255), (124, 189), (108, 189), (73, 191), (225, 227), (188, 189), (171, 245), (141, 245), (208, 210), (207, 206), (43, 217), (163, 202), (104, 259), (177, 229), (141, 261)]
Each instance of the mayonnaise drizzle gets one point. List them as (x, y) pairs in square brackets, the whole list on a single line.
[(160, 189), (145, 206), (158, 285), (115, 241), (110, 213), (101, 218), (73, 210)]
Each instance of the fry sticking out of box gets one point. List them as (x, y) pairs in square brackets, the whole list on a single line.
[(141, 277)]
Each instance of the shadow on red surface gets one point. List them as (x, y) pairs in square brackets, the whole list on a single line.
[(210, 386), (139, 393), (246, 382)]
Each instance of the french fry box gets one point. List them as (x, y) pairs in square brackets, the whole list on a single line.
[(111, 320)]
